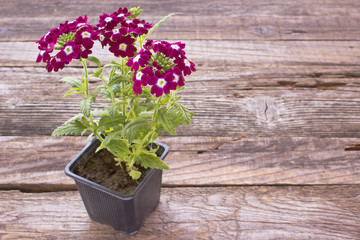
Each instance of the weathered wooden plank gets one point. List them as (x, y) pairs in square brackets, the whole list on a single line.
[(313, 212), (225, 54), (237, 73), (37, 163), (285, 20), (325, 106)]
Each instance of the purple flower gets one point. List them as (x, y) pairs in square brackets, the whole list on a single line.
[(73, 39), (123, 46), (140, 60), (122, 13), (175, 50), (137, 87), (108, 21), (55, 64), (86, 36), (138, 27), (162, 84), (178, 76), (185, 65), (43, 56), (70, 51), (161, 46)]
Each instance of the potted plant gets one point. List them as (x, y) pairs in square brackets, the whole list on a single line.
[(139, 102)]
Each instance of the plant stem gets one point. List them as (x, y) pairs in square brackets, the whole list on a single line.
[(86, 80)]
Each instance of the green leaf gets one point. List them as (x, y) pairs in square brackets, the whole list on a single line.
[(108, 122), (137, 129), (85, 106), (99, 112), (135, 174), (73, 91), (94, 94), (69, 128), (120, 147), (166, 123), (75, 83), (94, 60), (98, 73), (182, 112), (79, 115), (146, 114), (151, 160)]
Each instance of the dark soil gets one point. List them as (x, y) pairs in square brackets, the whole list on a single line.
[(101, 169)]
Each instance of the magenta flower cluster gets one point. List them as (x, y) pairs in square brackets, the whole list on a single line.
[(163, 75), (74, 39), (159, 64)]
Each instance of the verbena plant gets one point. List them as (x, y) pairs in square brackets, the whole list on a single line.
[(140, 86)]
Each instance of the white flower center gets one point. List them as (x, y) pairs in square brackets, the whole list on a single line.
[(108, 19), (85, 34), (161, 82), (122, 46), (176, 47), (176, 78), (139, 75), (121, 15), (187, 63), (101, 37), (68, 50), (115, 31), (141, 25), (137, 58)]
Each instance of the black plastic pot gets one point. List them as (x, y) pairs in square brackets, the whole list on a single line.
[(125, 213)]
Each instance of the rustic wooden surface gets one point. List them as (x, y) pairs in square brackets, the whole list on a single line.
[(273, 151)]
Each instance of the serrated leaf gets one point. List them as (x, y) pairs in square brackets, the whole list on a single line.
[(146, 114), (136, 129), (98, 73), (183, 111), (85, 106), (79, 115), (166, 123), (113, 110), (69, 128), (99, 112), (94, 60), (94, 95), (151, 160), (120, 147), (73, 82), (109, 137), (108, 122)]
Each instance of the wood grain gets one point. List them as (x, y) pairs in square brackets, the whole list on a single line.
[(37, 164), (297, 88), (313, 212), (224, 55), (245, 19)]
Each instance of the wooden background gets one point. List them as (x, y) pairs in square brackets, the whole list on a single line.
[(273, 149)]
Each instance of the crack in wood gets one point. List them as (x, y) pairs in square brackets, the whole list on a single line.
[(355, 147), (219, 145), (265, 111)]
